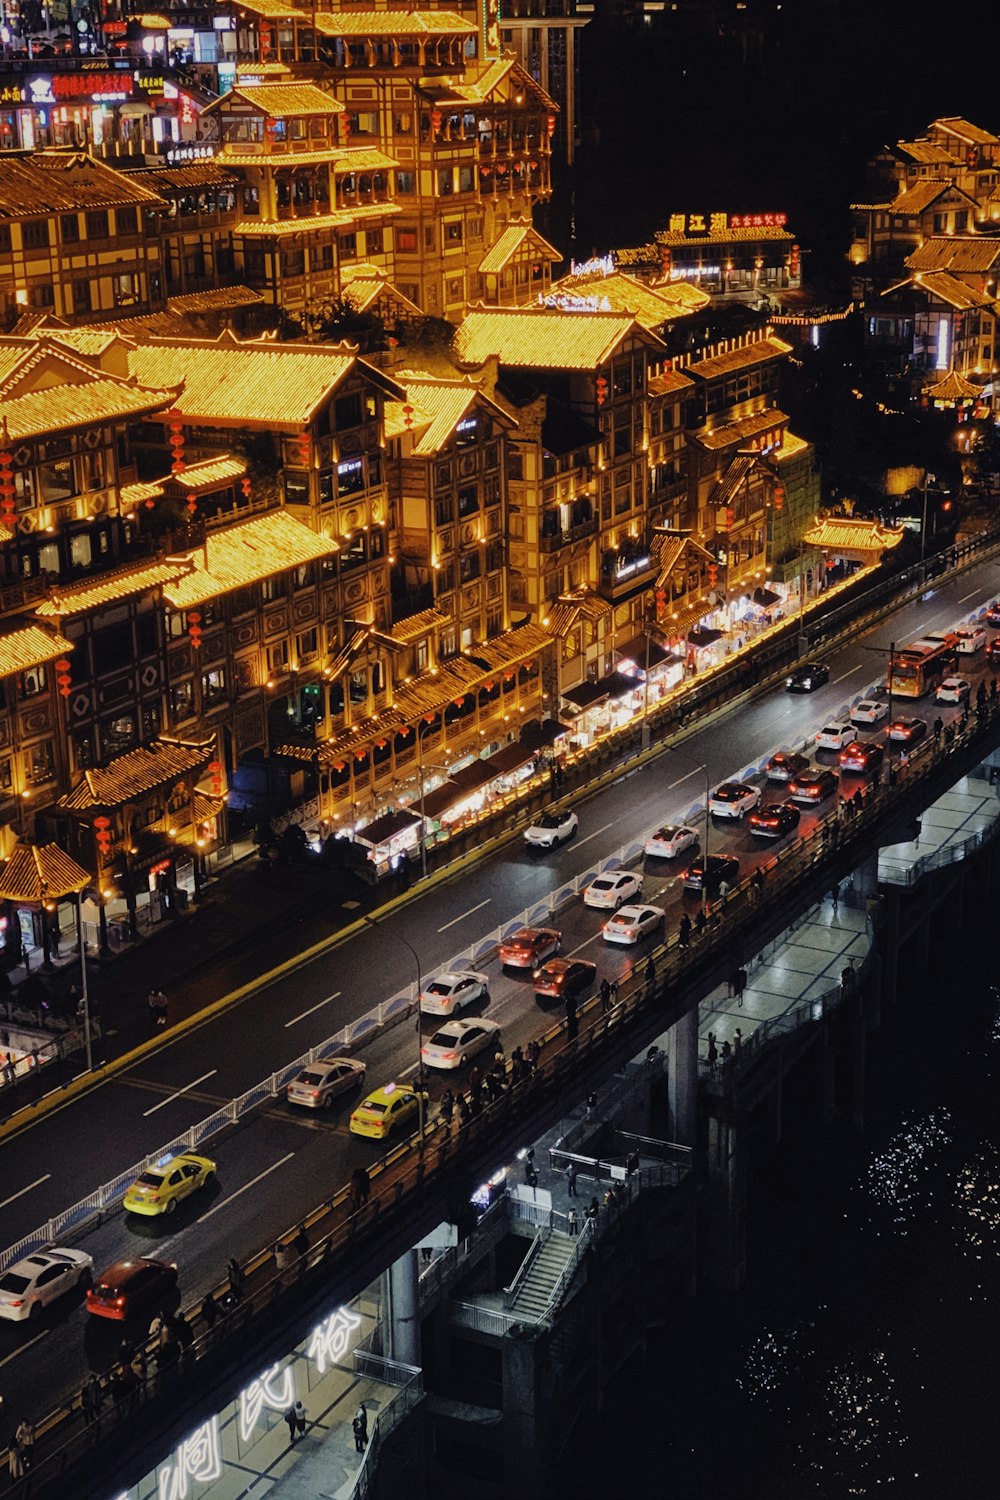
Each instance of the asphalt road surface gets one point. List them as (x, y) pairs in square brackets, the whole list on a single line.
[(281, 1161)]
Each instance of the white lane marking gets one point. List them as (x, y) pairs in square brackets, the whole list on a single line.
[(407, 1071), (37, 1183), (581, 842), (187, 1087), (585, 944), (245, 1188), (471, 912), (845, 675), (24, 1347), (968, 596), (687, 774), (296, 1019)]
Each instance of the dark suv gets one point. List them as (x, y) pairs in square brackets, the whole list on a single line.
[(709, 874)]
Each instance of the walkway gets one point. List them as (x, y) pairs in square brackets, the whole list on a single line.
[(951, 827)]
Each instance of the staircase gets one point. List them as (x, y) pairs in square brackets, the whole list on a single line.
[(533, 1298)]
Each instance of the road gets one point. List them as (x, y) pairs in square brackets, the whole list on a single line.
[(279, 1163)]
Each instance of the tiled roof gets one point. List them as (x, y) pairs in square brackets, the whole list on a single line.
[(569, 608), (744, 358), (946, 288), (415, 627), (229, 381), (86, 341), (650, 306), (438, 407), (967, 254), (191, 177), (511, 241), (973, 134), (468, 91), (668, 382), (542, 338), (132, 495), (109, 588), (40, 872), (916, 199), (364, 159), (209, 474), (220, 298), (685, 292), (20, 650), (244, 554), (430, 692), (60, 181), (341, 218), (738, 470), (732, 434), (273, 10), (364, 23), (138, 773), (279, 101), (676, 237), (238, 154), (927, 153), (837, 534), (362, 285), (82, 398), (954, 387)]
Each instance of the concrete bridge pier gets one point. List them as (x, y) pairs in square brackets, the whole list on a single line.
[(682, 1074), (403, 1303), (724, 1206)]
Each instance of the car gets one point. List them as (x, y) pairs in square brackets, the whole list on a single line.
[(992, 615), (564, 978), (528, 947), (774, 821), (815, 787), (993, 652), (29, 1285), (708, 874), (320, 1083), (907, 731), (385, 1109), (550, 829), (953, 690), (131, 1286), (613, 889), (807, 678), (161, 1188), (869, 711), (861, 756), (452, 990), (733, 799), (835, 735), (969, 640), (457, 1041), (671, 840), (630, 924), (785, 765)]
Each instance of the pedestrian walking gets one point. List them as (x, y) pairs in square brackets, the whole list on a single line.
[(724, 889), (157, 1003), (650, 973), (713, 1053), (140, 1372), (605, 995), (284, 1259), (572, 1024), (156, 1324), (701, 921), (182, 1329), (591, 1106), (237, 1278), (529, 1163), (727, 1051), (25, 1435), (361, 1415), (360, 1436), (464, 1112), (758, 878), (737, 1040), (532, 1052), (835, 896), (572, 1221), (300, 1244), (447, 1106), (208, 1312), (91, 1399), (571, 1179), (684, 931), (593, 1209), (741, 984), (15, 1460), (292, 1418)]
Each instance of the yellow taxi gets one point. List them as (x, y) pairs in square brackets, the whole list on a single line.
[(384, 1110), (161, 1188)]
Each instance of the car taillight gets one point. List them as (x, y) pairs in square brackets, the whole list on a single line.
[(314, 1093), (119, 1302), (630, 932), (448, 1056), (16, 1302)]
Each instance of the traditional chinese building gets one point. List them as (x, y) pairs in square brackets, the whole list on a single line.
[(745, 256)]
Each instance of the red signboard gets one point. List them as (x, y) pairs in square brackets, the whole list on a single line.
[(90, 85)]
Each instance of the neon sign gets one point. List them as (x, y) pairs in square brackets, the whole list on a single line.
[(331, 1339), (598, 265), (197, 1460), (274, 1389), (722, 223), (567, 302)]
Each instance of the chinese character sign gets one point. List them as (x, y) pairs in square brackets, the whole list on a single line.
[(198, 1460), (721, 223), (331, 1338), (274, 1389)]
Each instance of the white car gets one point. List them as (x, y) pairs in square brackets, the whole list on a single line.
[(869, 711), (970, 639), (552, 828), (667, 843), (458, 1041), (29, 1285), (613, 889), (630, 924), (448, 992), (953, 690), (320, 1083), (733, 799), (836, 735)]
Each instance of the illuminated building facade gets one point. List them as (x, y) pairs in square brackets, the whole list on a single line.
[(741, 256)]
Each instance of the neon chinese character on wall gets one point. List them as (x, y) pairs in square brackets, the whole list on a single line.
[(275, 1389), (198, 1460), (330, 1339)]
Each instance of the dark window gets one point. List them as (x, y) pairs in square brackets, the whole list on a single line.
[(347, 412), (35, 234), (97, 225), (69, 226), (81, 296), (126, 221), (113, 648)]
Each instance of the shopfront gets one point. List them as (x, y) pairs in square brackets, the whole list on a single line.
[(49, 104)]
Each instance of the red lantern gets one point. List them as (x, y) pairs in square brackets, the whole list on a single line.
[(661, 599), (62, 676), (192, 504), (601, 387), (175, 425), (305, 449), (730, 518), (436, 121), (194, 627), (408, 415), (713, 573), (486, 171), (102, 834), (779, 496), (246, 486), (550, 125), (7, 505), (428, 718), (215, 771)]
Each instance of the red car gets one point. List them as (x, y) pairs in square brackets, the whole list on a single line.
[(528, 947), (131, 1286), (785, 765), (562, 978), (813, 788), (861, 757)]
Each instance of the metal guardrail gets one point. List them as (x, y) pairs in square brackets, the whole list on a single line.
[(534, 1250), (912, 873)]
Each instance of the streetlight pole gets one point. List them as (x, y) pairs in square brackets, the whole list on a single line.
[(703, 768), (421, 1109), (891, 654), (83, 982)]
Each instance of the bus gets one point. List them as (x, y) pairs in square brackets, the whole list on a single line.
[(918, 668)]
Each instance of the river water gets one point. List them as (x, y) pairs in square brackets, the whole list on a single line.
[(861, 1358)]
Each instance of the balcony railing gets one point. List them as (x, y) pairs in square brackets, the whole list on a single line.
[(552, 541)]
